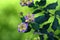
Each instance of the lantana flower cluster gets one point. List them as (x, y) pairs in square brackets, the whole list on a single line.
[(26, 2), (24, 25), (30, 22)]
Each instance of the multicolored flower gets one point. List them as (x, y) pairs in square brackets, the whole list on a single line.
[(22, 27), (26, 2), (29, 18)]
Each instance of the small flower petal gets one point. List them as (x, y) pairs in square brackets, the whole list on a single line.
[(22, 27), (26, 2), (29, 17)]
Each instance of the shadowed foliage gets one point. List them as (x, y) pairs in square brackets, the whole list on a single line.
[(57, 12), (35, 26), (51, 6), (43, 31), (41, 37), (31, 5), (28, 29), (55, 24), (51, 37), (23, 19), (46, 26), (58, 35), (41, 3), (37, 11), (43, 18)]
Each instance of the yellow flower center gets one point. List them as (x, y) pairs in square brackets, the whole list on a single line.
[(25, 1), (30, 17), (22, 27)]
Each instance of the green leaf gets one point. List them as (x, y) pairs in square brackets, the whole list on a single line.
[(41, 3), (35, 26), (57, 12), (46, 26), (51, 6), (43, 18), (55, 24)]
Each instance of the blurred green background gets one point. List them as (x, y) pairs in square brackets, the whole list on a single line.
[(9, 19)]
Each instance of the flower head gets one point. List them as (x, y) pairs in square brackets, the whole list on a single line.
[(29, 17), (26, 2), (22, 27)]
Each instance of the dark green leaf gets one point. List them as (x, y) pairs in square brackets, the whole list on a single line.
[(35, 7), (58, 27), (46, 26), (28, 29), (35, 26), (36, 2), (55, 38), (51, 6), (58, 35), (23, 19), (43, 31), (41, 37), (55, 24), (37, 11), (57, 12), (41, 3), (43, 18), (31, 5), (50, 36)]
